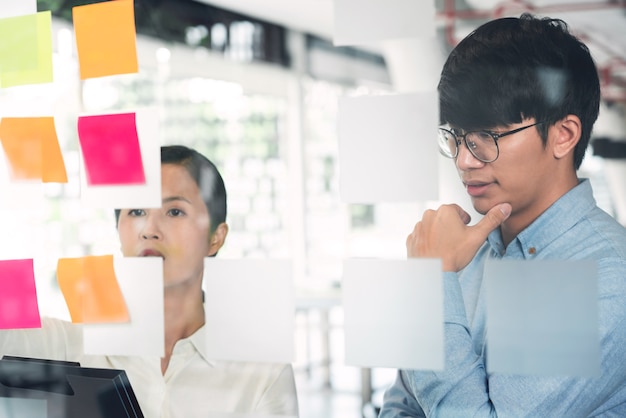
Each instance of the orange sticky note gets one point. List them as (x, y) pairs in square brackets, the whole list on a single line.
[(106, 38), (32, 149), (91, 290)]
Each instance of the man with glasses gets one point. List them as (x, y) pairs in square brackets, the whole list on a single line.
[(518, 99)]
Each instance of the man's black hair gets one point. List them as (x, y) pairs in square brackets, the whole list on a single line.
[(512, 69)]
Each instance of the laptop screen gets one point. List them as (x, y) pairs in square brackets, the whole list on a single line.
[(68, 390)]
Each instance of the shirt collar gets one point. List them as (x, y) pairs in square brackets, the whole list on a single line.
[(198, 340), (552, 223)]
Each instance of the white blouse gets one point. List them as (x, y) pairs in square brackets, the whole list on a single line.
[(193, 385)]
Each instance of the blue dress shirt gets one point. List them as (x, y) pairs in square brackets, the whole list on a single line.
[(573, 228)]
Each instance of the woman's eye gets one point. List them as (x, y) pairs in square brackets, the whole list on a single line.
[(136, 212), (175, 212)]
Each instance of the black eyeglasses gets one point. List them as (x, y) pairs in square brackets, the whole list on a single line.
[(482, 144)]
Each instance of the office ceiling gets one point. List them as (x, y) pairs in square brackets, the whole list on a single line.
[(601, 23)]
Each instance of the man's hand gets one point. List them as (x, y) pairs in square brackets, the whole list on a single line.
[(444, 234)]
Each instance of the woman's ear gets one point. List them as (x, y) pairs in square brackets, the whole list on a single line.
[(217, 238), (567, 133)]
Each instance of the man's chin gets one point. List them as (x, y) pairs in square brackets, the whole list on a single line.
[(481, 206)]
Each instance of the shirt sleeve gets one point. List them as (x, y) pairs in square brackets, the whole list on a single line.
[(55, 340), (465, 388), (398, 401), (280, 398)]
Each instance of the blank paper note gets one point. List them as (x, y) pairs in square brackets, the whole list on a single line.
[(393, 313), (26, 49), (23, 233), (110, 149), (360, 22), (144, 195), (250, 310), (32, 149), (18, 295), (91, 289), (106, 38), (11, 8), (26, 194), (542, 317), (141, 282), (388, 148)]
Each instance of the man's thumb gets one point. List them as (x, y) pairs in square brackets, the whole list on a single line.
[(494, 218)]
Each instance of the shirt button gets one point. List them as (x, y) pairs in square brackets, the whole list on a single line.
[(532, 250)]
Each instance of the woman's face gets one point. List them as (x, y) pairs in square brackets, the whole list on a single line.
[(179, 231)]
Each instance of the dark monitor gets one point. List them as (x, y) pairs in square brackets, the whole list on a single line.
[(70, 391)]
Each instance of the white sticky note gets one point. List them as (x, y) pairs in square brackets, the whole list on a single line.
[(393, 313), (141, 282), (388, 148), (360, 22), (250, 310), (23, 233), (19, 194), (23, 408), (542, 317), (146, 195), (12, 8)]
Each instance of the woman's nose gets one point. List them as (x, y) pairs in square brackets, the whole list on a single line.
[(150, 228)]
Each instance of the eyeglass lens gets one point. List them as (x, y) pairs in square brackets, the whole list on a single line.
[(481, 144)]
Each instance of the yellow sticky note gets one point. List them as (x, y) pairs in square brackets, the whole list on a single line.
[(106, 38), (32, 149), (26, 49), (91, 290)]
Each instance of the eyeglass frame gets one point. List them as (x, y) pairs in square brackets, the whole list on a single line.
[(494, 135)]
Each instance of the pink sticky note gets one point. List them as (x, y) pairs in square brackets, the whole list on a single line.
[(18, 295), (111, 151)]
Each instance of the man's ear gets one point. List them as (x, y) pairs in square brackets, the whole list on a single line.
[(566, 133), (217, 239)]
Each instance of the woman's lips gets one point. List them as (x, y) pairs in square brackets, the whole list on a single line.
[(150, 253)]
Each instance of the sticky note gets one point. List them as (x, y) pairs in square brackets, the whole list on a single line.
[(23, 231), (110, 148), (26, 49), (106, 38), (32, 148), (542, 317), (91, 289), (11, 8), (249, 310), (393, 313), (379, 20), (141, 282), (18, 295), (146, 195), (25, 194), (388, 148)]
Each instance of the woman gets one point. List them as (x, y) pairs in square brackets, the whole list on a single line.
[(189, 226)]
